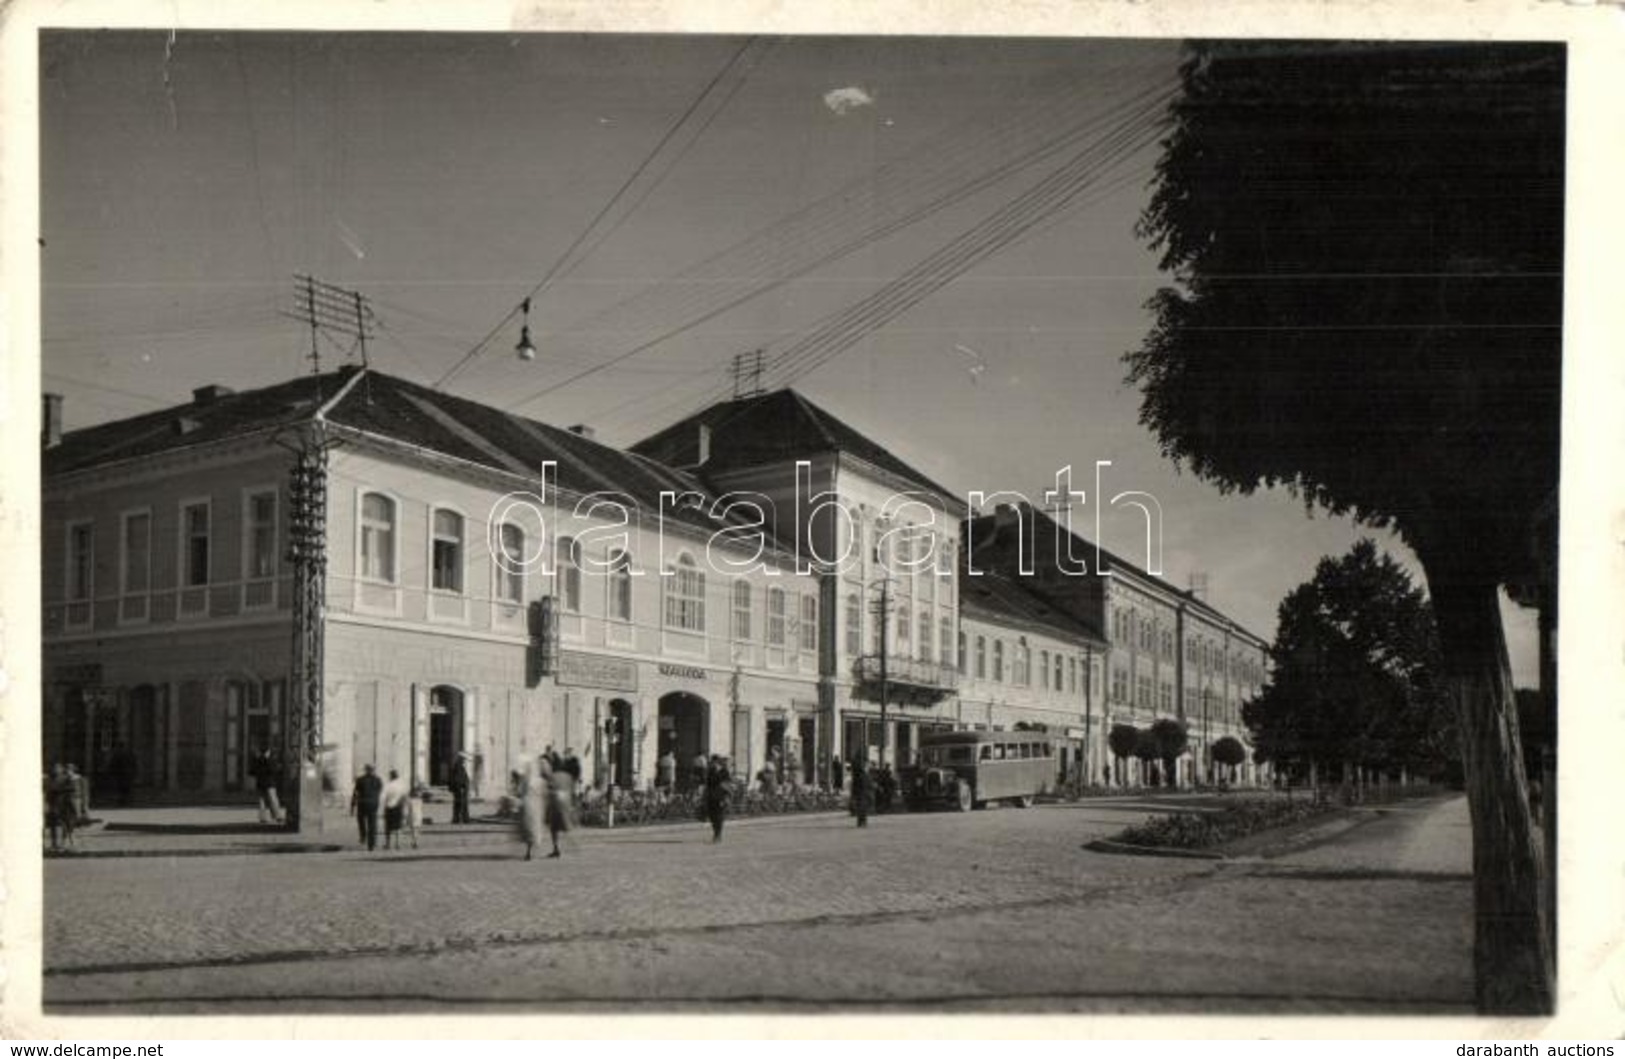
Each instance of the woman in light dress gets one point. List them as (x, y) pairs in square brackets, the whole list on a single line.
[(532, 796)]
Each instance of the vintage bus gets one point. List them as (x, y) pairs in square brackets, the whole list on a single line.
[(966, 770)]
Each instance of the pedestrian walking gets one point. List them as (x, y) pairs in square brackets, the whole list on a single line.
[(532, 803), (559, 812), (61, 807), (266, 768), (364, 799), (697, 770), (863, 793), (395, 794), (837, 775), (81, 794), (717, 794), (666, 771), (458, 783)]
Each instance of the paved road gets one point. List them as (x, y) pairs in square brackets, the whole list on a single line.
[(1002, 909)]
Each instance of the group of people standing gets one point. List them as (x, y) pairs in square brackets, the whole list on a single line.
[(402, 808), (66, 804)]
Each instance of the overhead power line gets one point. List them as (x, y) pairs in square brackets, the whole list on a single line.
[(602, 213)]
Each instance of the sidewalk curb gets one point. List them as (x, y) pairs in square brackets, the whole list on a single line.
[(1102, 845), (207, 851)]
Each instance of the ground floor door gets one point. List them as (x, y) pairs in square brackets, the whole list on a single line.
[(684, 727), (445, 732)]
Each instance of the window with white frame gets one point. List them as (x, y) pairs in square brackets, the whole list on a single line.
[(775, 617), (511, 564), (1143, 687), (854, 624), (378, 538), (741, 610), (1165, 697), (195, 544), (81, 572), (1119, 685), (567, 574), (620, 585), (135, 565), (447, 552), (809, 623), (685, 596)]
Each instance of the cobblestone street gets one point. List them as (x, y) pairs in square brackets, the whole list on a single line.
[(1003, 908)]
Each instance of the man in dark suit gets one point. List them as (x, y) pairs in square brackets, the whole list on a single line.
[(364, 801), (459, 783)]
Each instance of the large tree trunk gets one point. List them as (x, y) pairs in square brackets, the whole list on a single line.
[(1511, 953)]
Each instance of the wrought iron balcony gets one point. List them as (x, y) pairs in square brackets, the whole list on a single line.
[(906, 677)]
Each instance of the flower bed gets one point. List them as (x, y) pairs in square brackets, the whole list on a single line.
[(1205, 830), (650, 807)]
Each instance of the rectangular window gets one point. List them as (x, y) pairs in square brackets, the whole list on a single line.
[(854, 626), (448, 552), (741, 610), (1144, 689), (945, 644), (260, 515), (195, 544), (809, 623), (923, 640), (998, 660), (775, 617), (685, 597), (378, 538), (620, 586), (81, 572), (510, 564), (1072, 676), (135, 566), (567, 574), (981, 658)]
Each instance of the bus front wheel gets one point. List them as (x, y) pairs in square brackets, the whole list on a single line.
[(964, 797)]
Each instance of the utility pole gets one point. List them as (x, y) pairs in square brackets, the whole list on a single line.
[(307, 551), (883, 613)]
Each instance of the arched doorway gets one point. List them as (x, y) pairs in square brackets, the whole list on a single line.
[(620, 751), (685, 730), (445, 732)]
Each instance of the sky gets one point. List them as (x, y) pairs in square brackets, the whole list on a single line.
[(668, 203)]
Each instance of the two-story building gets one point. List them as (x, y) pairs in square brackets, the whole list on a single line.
[(169, 604)]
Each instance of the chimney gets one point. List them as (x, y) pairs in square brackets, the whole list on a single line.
[(205, 395), (704, 456), (583, 430), (51, 423)]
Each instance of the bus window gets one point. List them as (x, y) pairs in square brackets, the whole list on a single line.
[(959, 753), (1026, 750), (987, 752)]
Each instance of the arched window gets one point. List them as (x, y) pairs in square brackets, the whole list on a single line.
[(567, 573), (685, 596), (511, 564), (620, 585), (447, 574), (378, 537), (741, 610), (775, 617)]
